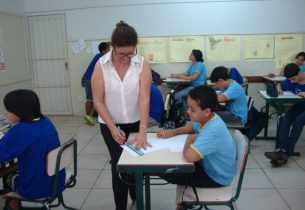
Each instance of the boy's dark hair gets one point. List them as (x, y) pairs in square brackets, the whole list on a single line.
[(24, 104), (198, 55), (218, 73), (103, 46), (205, 96), (291, 70), (300, 54), (124, 35)]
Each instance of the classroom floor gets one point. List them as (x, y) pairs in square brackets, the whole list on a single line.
[(264, 187)]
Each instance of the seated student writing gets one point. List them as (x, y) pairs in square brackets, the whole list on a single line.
[(291, 124), (232, 93), (210, 145), (196, 73), (29, 140)]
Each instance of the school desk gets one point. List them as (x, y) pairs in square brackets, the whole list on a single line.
[(279, 104), (161, 162), (275, 79)]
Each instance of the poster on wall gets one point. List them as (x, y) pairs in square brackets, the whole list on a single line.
[(182, 46), (286, 48), (153, 49), (258, 47), (2, 63), (223, 48)]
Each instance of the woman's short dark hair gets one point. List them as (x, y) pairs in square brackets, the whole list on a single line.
[(302, 54), (291, 70), (124, 35), (205, 96), (198, 55), (24, 104), (218, 73)]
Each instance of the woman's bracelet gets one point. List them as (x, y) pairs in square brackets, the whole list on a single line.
[(144, 126)]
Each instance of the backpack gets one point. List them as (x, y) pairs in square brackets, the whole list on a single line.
[(258, 122), (174, 112), (271, 89)]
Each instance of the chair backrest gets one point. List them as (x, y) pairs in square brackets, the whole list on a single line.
[(242, 145), (250, 102), (61, 157)]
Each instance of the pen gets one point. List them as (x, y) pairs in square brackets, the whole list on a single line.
[(120, 131)]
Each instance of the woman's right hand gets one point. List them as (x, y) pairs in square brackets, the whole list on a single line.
[(165, 133), (118, 135)]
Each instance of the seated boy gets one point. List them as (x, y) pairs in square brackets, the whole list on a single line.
[(291, 124), (29, 140), (210, 145), (232, 93), (156, 107)]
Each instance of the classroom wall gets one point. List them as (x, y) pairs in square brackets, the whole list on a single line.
[(12, 6), (13, 43), (94, 20)]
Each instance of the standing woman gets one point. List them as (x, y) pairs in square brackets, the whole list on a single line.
[(121, 90)]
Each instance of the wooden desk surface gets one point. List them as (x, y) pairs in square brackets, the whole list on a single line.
[(277, 78), (151, 161), (176, 80), (286, 96)]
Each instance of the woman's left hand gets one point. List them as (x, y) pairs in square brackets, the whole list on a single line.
[(140, 140)]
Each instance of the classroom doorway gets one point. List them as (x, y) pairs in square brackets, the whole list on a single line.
[(49, 62)]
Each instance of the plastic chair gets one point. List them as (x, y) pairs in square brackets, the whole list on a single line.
[(222, 195), (57, 159)]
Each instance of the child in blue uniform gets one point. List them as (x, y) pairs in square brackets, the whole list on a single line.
[(29, 140), (232, 93), (196, 73), (103, 47), (209, 144), (291, 124)]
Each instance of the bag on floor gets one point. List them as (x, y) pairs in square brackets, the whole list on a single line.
[(174, 112)]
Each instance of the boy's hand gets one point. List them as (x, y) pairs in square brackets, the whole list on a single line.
[(166, 134)]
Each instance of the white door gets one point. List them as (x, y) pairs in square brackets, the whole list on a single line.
[(49, 61)]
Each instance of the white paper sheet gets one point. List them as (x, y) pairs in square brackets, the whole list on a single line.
[(175, 144)]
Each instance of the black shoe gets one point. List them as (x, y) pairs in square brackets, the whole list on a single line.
[(277, 155), (278, 163)]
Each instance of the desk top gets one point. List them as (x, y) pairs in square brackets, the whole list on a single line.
[(286, 96), (158, 161), (230, 119), (277, 78), (176, 80)]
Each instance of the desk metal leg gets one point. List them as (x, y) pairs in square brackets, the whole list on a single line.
[(139, 190), (147, 192), (267, 121)]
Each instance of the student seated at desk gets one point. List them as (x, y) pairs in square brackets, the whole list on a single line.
[(299, 60), (235, 75), (156, 106), (232, 93), (210, 145), (291, 124), (29, 140), (196, 73)]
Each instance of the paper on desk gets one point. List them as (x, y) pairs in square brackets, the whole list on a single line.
[(175, 144)]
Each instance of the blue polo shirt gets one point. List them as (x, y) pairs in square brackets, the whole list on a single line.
[(237, 101), (30, 142), (156, 108), (217, 148), (90, 68), (200, 68), (296, 88), (302, 68)]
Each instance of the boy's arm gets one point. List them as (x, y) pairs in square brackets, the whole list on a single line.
[(189, 153), (187, 129), (222, 98)]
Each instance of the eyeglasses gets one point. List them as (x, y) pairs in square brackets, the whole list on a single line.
[(129, 54)]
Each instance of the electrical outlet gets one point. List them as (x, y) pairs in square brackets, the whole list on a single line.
[(80, 98)]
